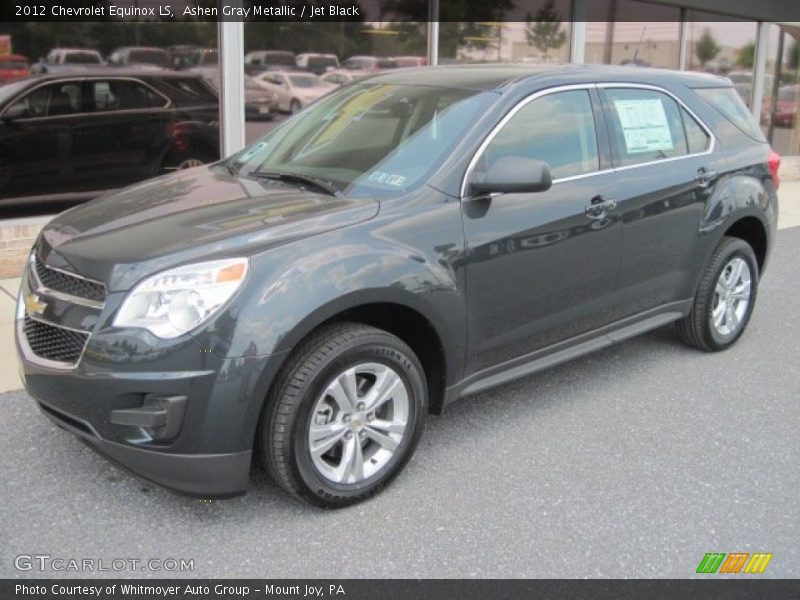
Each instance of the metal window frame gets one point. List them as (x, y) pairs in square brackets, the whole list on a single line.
[(577, 38), (759, 69), (231, 92)]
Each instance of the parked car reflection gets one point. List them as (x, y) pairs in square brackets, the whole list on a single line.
[(68, 137), (294, 90), (14, 66), (342, 77)]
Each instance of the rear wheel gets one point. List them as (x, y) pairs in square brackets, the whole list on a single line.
[(345, 416), (294, 106), (725, 298)]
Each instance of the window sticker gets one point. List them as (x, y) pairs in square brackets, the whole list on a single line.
[(391, 179), (252, 151), (644, 125)]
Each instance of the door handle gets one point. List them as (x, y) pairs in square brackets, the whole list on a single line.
[(704, 177), (599, 207)]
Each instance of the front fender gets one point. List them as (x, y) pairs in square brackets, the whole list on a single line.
[(292, 299), (411, 258)]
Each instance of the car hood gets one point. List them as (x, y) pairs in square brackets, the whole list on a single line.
[(197, 214)]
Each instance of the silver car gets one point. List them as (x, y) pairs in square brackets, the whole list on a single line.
[(295, 90)]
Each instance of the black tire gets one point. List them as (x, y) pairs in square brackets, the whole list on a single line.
[(183, 159), (696, 328), (287, 418), (294, 106)]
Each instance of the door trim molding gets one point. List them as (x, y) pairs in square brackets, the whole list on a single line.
[(566, 350)]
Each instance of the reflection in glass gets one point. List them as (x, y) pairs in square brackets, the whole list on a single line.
[(648, 35), (779, 120), (723, 48)]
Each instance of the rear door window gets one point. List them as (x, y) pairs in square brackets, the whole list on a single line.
[(646, 125), (123, 94), (556, 128)]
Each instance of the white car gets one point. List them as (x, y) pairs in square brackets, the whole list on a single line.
[(342, 77), (295, 90)]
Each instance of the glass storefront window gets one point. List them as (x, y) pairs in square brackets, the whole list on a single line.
[(541, 36), (99, 106), (723, 48), (779, 120), (291, 65), (638, 39)]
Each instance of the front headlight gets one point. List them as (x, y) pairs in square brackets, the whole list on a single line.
[(170, 303)]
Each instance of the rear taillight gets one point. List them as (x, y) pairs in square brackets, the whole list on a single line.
[(774, 163), (179, 133)]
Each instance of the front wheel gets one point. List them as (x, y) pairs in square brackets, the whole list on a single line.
[(294, 107), (725, 298), (185, 159), (345, 415)]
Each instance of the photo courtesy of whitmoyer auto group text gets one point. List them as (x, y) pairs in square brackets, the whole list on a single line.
[(400, 299)]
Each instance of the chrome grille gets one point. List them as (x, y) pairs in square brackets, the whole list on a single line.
[(65, 283), (54, 343)]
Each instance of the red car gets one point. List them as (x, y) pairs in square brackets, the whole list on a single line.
[(786, 105), (14, 66)]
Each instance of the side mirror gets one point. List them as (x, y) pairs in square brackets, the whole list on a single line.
[(513, 175)]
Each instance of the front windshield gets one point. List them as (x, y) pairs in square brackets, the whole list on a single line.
[(303, 81), (370, 139), (10, 90), (279, 58), (251, 84), (82, 58), (149, 57)]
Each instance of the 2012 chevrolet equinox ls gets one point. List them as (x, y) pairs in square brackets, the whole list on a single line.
[(408, 240)]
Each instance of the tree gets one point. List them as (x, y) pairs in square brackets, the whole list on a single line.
[(463, 24), (746, 55), (706, 48), (544, 30)]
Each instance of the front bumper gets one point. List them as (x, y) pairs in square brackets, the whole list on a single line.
[(202, 448), (204, 475)]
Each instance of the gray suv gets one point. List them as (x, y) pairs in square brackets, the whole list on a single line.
[(403, 242)]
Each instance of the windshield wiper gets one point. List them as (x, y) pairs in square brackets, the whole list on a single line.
[(317, 182)]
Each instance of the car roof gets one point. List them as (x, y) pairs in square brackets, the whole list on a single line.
[(134, 72), (129, 48), (67, 49), (485, 77)]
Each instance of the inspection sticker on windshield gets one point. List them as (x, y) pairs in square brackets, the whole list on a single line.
[(252, 151), (644, 125), (387, 178)]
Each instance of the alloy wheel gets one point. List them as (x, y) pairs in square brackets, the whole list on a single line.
[(731, 296), (358, 423), (189, 163)]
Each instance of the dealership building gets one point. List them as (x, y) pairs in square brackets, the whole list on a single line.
[(746, 41)]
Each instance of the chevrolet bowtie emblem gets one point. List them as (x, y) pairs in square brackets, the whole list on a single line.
[(34, 305)]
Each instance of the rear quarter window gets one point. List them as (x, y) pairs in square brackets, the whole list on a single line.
[(727, 101)]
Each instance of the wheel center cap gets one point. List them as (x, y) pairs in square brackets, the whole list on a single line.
[(357, 422)]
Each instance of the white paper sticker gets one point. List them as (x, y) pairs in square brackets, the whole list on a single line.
[(644, 125)]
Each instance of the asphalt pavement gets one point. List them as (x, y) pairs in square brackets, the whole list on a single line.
[(632, 462)]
